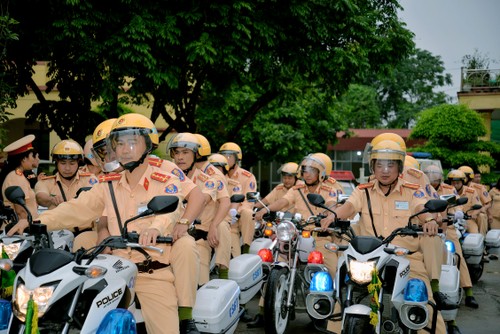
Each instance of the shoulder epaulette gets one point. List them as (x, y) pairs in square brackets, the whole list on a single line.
[(202, 177), (246, 173), (366, 185), (447, 186), (109, 177), (331, 180), (85, 174), (210, 170), (155, 162), (477, 186), (414, 172), (326, 187), (160, 177), (470, 190), (47, 177), (410, 185), (299, 186), (233, 182), (279, 187)]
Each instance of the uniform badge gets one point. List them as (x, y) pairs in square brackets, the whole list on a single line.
[(236, 189), (93, 181), (209, 185), (428, 190), (220, 185), (332, 194), (252, 185), (486, 194), (171, 189), (180, 174), (418, 194)]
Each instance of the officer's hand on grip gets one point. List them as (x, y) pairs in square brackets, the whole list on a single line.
[(430, 227), (179, 231), (148, 236), (19, 228), (325, 222)]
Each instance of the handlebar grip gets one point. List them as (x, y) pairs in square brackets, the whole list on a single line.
[(164, 240)]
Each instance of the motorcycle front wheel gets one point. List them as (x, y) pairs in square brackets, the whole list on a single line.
[(476, 271), (357, 324), (276, 312)]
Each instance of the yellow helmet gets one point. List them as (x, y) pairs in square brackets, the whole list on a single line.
[(218, 160), (67, 149), (184, 140), (468, 171), (139, 122), (389, 136), (290, 168), (387, 150), (88, 154), (434, 173), (101, 132), (320, 161), (231, 148), (204, 149), (456, 175), (411, 162)]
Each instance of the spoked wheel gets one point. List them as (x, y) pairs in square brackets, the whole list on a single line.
[(276, 312)]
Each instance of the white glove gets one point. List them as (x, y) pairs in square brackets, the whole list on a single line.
[(459, 215), (233, 213)]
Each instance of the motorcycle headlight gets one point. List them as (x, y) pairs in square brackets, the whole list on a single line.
[(286, 231), (41, 296), (361, 272), (12, 249)]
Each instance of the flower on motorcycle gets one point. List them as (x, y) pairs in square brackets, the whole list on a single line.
[(41, 296), (361, 272), (12, 249), (266, 255), (286, 231), (315, 257)]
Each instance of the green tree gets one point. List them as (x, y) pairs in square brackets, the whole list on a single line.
[(409, 88), (359, 107), (452, 133), (171, 54)]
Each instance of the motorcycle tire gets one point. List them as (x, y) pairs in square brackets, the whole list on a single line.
[(276, 312), (476, 271), (357, 324)]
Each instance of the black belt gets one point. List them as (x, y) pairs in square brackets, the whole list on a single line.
[(323, 234), (199, 234), (150, 266)]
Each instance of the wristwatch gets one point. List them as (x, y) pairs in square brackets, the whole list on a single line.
[(183, 221), (430, 219)]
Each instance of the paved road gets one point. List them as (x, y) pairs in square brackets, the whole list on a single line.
[(485, 320)]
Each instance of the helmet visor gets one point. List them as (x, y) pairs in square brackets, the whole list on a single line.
[(128, 145)]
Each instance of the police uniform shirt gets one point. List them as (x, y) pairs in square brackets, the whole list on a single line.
[(208, 186), (300, 204), (279, 192), (484, 196), (495, 203), (473, 197), (234, 188), (210, 170), (389, 212), (50, 185), (91, 204), (17, 178), (186, 183), (416, 176), (247, 181)]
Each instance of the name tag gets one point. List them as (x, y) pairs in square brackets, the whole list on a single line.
[(402, 205)]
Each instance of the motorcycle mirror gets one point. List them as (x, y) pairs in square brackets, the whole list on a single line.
[(15, 194), (316, 200), (237, 198), (451, 199), (462, 201), (82, 189), (157, 205), (475, 207), (436, 205), (253, 196)]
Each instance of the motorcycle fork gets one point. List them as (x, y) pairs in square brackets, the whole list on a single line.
[(291, 284), (71, 310)]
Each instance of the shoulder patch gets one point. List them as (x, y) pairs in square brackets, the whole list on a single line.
[(160, 177), (410, 185), (366, 185), (299, 186), (156, 162), (470, 190), (109, 177), (85, 174), (202, 177), (478, 186), (233, 182), (210, 170), (246, 173), (279, 187), (48, 177), (415, 172), (331, 180)]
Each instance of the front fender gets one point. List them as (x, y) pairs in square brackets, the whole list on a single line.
[(358, 309)]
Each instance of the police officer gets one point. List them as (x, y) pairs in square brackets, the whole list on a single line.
[(21, 156), (457, 179), (213, 231), (130, 140), (494, 210), (245, 225), (388, 201), (484, 196), (89, 161), (289, 178)]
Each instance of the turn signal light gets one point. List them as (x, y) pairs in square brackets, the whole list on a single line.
[(315, 257), (266, 255)]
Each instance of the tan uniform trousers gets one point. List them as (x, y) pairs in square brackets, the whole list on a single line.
[(465, 281), (222, 252), (185, 263), (482, 223), (86, 240), (330, 259), (472, 226), (156, 291), (235, 241), (245, 225), (432, 249)]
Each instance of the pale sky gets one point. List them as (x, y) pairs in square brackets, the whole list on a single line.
[(452, 29)]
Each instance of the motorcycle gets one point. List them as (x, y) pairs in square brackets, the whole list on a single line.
[(86, 289), (372, 283)]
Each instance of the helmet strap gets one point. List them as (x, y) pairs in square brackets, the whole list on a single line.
[(389, 185), (131, 166), (68, 178), (312, 184)]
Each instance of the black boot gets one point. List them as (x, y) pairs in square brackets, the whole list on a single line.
[(246, 317), (470, 301), (442, 302), (188, 327), (258, 322), (453, 329)]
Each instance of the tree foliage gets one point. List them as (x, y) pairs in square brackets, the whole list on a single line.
[(452, 133), (175, 56), (359, 107)]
